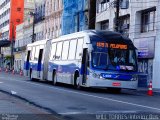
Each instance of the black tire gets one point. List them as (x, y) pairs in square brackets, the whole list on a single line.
[(114, 90), (54, 82), (30, 76), (76, 82)]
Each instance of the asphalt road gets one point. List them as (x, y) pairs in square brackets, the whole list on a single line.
[(90, 104), (12, 108)]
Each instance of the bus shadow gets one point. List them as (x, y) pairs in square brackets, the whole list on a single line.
[(90, 90)]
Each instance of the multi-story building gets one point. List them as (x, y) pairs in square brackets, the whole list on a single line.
[(78, 15), (39, 18), (35, 14), (53, 18), (11, 14), (140, 22), (23, 35)]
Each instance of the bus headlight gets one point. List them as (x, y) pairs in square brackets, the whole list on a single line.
[(95, 75)]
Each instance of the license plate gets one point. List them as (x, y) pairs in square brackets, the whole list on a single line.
[(116, 84)]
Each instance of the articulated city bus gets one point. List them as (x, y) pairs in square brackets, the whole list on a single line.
[(88, 58)]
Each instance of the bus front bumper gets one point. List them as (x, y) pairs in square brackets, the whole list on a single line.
[(104, 83)]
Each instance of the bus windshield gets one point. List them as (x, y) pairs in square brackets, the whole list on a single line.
[(115, 59), (123, 59), (100, 60)]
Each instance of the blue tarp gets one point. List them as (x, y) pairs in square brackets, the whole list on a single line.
[(71, 9)]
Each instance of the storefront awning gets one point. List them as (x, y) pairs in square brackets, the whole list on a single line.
[(5, 43)]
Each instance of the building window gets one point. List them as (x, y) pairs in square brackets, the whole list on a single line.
[(148, 21), (124, 23), (18, 20), (18, 9), (104, 25), (102, 5)]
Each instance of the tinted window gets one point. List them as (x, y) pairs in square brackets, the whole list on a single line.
[(100, 60)]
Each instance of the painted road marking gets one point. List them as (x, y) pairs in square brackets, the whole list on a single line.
[(97, 112), (94, 96)]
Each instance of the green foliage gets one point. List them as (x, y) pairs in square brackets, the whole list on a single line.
[(8, 57)]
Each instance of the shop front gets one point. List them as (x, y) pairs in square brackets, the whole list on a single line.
[(146, 52)]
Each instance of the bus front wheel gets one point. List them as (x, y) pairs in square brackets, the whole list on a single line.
[(114, 90)]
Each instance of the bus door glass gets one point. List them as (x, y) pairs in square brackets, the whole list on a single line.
[(40, 61), (27, 61), (84, 65)]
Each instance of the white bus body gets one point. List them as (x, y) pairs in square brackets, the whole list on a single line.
[(69, 59)]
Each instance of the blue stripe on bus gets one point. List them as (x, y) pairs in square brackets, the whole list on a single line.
[(69, 68), (33, 66), (116, 76), (26, 65)]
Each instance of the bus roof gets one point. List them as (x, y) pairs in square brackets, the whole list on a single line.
[(107, 36), (40, 42), (110, 37)]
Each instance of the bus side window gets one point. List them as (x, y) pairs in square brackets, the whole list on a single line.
[(28, 55), (79, 49), (65, 50), (59, 51), (72, 49), (33, 53), (36, 53), (53, 51)]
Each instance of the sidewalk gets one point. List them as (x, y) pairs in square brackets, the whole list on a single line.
[(140, 89)]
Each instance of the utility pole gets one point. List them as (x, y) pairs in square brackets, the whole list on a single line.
[(117, 15), (12, 46), (33, 34)]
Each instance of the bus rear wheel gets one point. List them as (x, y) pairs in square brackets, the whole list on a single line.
[(54, 82), (31, 76), (76, 82)]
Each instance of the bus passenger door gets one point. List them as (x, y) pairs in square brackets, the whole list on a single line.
[(40, 63), (84, 66), (27, 65)]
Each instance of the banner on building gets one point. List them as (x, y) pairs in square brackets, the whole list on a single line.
[(146, 47)]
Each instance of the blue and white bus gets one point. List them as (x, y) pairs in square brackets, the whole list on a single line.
[(88, 58)]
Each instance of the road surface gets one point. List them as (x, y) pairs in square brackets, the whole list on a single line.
[(65, 101)]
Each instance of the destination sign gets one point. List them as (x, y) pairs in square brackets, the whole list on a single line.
[(112, 45)]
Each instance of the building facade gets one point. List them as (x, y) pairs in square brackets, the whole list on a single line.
[(53, 18), (39, 19), (23, 35), (78, 15), (11, 15), (140, 22)]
